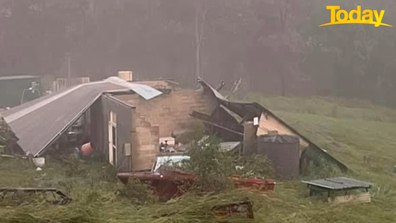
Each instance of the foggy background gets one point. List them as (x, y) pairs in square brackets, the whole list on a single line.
[(276, 46)]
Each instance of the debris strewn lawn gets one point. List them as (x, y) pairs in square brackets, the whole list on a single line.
[(95, 198)]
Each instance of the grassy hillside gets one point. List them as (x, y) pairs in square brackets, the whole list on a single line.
[(348, 130)]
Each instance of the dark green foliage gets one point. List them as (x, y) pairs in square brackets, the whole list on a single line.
[(108, 173), (212, 167), (74, 167), (255, 166), (138, 193)]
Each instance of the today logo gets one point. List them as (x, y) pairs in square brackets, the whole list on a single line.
[(348, 18)]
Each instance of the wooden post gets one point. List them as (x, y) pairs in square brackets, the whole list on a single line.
[(249, 139)]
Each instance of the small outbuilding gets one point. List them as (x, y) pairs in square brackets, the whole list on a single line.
[(15, 90), (128, 120), (340, 190)]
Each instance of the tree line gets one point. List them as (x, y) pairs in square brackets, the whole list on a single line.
[(276, 47)]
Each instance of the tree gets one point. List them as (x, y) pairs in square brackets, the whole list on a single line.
[(200, 17)]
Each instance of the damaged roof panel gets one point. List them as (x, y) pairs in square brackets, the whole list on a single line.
[(251, 110), (40, 122), (145, 91), (214, 91), (39, 125)]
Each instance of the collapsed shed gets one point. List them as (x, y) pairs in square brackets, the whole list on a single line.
[(125, 119), (39, 123), (240, 122), (128, 120), (133, 143), (15, 90)]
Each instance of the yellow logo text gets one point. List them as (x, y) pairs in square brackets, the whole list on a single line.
[(355, 16)]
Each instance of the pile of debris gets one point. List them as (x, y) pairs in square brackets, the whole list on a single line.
[(173, 174), (131, 122)]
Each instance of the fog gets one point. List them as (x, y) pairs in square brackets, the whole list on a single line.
[(276, 47)]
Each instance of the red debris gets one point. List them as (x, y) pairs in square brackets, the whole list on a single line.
[(169, 183)]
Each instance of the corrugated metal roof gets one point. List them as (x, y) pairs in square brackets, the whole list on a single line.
[(145, 91), (29, 103), (37, 126), (40, 122), (255, 109), (339, 183)]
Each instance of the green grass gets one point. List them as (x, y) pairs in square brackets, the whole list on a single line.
[(329, 107), (348, 130)]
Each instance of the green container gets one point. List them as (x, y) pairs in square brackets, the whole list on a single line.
[(14, 90)]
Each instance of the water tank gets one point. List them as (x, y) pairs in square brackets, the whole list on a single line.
[(284, 153)]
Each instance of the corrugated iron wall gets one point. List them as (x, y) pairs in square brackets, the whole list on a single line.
[(284, 154)]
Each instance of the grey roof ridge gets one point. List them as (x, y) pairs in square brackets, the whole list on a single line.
[(12, 117)]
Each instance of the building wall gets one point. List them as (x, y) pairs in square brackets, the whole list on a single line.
[(145, 141), (171, 112), (100, 116), (97, 126), (159, 117)]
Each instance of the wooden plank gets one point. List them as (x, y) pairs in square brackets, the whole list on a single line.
[(351, 199), (249, 139)]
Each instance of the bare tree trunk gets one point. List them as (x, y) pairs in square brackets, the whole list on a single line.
[(200, 17), (283, 17), (282, 79), (68, 71), (197, 47)]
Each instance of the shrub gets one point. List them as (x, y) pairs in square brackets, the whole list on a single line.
[(138, 193), (212, 167), (74, 167)]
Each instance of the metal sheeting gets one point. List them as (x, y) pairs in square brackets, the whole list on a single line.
[(251, 110), (284, 153), (229, 146), (40, 122), (339, 183), (16, 115), (28, 104), (37, 126), (145, 91), (215, 92)]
